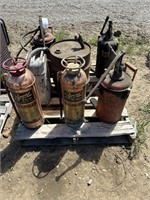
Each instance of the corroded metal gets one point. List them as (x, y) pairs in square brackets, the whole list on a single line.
[(21, 85), (113, 96), (73, 84), (107, 45), (70, 47), (48, 38)]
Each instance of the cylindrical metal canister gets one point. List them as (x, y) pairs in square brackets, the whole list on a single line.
[(73, 84), (48, 38), (105, 55), (70, 47), (38, 66), (21, 85), (112, 98)]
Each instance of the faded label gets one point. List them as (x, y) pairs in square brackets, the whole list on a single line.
[(23, 98), (73, 96)]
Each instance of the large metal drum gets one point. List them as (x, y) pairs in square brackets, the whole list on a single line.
[(69, 47)]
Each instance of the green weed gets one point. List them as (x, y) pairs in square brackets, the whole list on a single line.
[(140, 140), (93, 41), (134, 46), (61, 35)]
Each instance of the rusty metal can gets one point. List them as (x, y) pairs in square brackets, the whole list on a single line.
[(112, 98), (69, 47), (21, 85), (73, 84)]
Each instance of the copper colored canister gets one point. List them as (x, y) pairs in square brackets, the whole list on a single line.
[(20, 83), (112, 97), (73, 85)]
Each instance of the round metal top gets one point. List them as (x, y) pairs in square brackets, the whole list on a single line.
[(15, 66), (69, 47), (119, 85)]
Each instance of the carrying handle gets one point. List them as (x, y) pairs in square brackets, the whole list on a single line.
[(80, 40), (14, 64), (132, 68), (73, 59)]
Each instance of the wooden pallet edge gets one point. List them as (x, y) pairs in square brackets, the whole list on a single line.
[(3, 117)]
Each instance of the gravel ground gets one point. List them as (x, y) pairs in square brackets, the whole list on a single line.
[(129, 11)]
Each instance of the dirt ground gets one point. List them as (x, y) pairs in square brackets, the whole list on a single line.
[(63, 172)]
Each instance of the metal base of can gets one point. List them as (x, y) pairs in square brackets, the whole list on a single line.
[(34, 125), (74, 124)]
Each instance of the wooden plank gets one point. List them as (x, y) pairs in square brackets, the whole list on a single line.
[(87, 113), (56, 113), (94, 129), (4, 98), (118, 140), (3, 116)]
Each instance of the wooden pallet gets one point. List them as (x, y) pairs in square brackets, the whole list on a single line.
[(92, 131), (5, 110)]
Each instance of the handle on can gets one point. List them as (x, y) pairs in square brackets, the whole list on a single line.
[(73, 59), (132, 68), (13, 62)]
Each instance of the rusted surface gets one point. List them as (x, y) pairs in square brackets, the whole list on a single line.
[(49, 39), (70, 47), (21, 85), (118, 85), (73, 84), (112, 98)]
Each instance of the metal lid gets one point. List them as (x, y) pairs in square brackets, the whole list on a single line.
[(117, 85), (69, 47)]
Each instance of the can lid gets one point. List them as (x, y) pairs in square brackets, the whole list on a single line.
[(117, 85), (70, 47)]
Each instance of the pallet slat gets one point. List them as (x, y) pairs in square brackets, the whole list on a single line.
[(4, 110), (94, 129)]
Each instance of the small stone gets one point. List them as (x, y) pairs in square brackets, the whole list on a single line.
[(89, 182), (76, 173), (103, 170), (6, 133), (147, 175), (69, 183)]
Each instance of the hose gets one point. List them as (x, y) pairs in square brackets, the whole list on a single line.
[(21, 39)]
